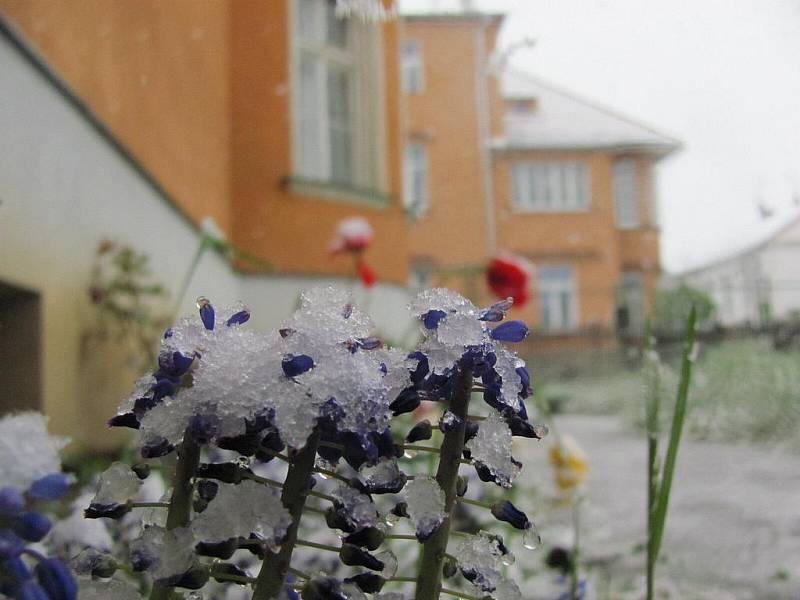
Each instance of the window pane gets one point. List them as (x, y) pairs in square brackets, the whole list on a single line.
[(307, 22), (336, 28), (558, 297), (309, 124), (339, 124), (411, 67), (625, 196), (415, 177)]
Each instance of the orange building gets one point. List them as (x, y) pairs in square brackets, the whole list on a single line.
[(276, 118), (501, 162)]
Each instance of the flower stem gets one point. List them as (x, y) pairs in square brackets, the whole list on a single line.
[(295, 491), (317, 546), (180, 505), (429, 582)]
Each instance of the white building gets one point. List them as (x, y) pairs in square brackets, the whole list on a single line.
[(757, 285)]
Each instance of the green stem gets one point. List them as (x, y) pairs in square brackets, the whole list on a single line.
[(429, 582), (652, 407), (317, 546), (574, 563), (678, 418), (295, 491), (180, 505)]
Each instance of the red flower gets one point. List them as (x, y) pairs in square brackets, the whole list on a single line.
[(510, 276), (365, 273)]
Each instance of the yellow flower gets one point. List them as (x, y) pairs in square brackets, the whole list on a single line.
[(570, 465)]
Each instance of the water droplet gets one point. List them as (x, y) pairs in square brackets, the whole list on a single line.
[(194, 596), (531, 538), (202, 301), (410, 454), (391, 519), (243, 462), (508, 559)]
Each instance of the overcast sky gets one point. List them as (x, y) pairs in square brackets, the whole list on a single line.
[(723, 76)]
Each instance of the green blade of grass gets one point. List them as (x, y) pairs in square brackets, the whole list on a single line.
[(678, 418), (652, 409)]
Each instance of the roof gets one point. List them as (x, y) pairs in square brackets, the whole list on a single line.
[(745, 251), (563, 120)]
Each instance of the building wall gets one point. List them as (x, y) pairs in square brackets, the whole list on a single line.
[(200, 93), (291, 228), (586, 240), (156, 73), (445, 117), (63, 190), (781, 276)]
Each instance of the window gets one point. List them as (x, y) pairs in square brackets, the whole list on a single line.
[(411, 70), (550, 186), (415, 178), (337, 98), (558, 298), (653, 206), (626, 198)]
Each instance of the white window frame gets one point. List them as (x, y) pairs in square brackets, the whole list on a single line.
[(562, 186), (416, 165), (412, 67), (312, 157), (626, 194), (551, 293)]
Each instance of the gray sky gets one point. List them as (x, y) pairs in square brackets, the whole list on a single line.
[(723, 76)]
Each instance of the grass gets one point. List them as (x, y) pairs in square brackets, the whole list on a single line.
[(743, 390)]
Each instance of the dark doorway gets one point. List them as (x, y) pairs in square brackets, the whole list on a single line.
[(20, 349)]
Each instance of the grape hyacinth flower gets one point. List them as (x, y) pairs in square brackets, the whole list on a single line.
[(261, 430), (30, 469)]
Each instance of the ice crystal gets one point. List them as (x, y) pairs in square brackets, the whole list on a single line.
[(425, 500), (491, 449), (239, 510), (116, 485), (460, 329), (506, 590), (27, 451), (358, 507), (384, 477), (479, 558), (165, 554), (506, 367)]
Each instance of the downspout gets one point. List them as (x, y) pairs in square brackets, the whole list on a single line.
[(482, 106)]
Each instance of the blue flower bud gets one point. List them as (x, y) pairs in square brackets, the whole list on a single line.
[(243, 316), (129, 420), (505, 511), (420, 431), (11, 501), (50, 487), (422, 369), (432, 318), (56, 579), (14, 573), (407, 401), (32, 526), (525, 380), (294, 365), (11, 545), (206, 313), (353, 556), (107, 511), (370, 538), (30, 590), (369, 343), (202, 428), (156, 448), (369, 583), (174, 364), (511, 331)]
